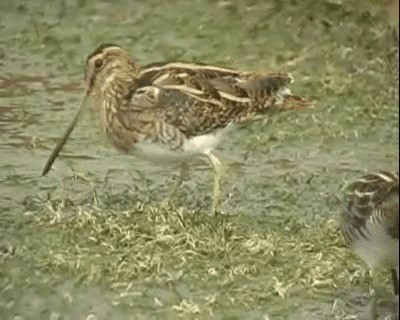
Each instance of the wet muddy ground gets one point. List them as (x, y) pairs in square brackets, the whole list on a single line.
[(98, 238)]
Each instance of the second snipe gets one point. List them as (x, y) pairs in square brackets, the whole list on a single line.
[(174, 112)]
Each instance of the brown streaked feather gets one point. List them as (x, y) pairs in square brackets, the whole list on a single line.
[(200, 98), (155, 70), (233, 82), (194, 98), (176, 100), (373, 199), (100, 49)]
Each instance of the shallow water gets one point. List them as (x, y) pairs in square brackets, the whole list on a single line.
[(292, 166)]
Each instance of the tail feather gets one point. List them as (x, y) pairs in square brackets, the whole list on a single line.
[(261, 85), (293, 102), (270, 92)]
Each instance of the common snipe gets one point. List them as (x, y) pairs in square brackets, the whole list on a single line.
[(173, 112), (370, 221)]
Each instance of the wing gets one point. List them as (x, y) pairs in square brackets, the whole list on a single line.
[(191, 111), (373, 199), (230, 83), (226, 81), (216, 96), (158, 72)]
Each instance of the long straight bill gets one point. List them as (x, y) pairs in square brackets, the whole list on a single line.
[(66, 135)]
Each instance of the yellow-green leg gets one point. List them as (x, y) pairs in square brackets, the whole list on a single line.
[(217, 194), (172, 197), (380, 303), (183, 174)]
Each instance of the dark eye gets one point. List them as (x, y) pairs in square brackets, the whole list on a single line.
[(98, 63)]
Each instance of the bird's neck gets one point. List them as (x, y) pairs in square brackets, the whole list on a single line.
[(117, 89)]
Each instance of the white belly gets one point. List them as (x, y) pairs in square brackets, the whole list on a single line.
[(379, 249), (196, 147)]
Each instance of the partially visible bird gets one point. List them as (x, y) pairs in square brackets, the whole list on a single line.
[(370, 221), (174, 111)]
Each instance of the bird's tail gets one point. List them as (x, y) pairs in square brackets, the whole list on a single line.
[(293, 102), (270, 92)]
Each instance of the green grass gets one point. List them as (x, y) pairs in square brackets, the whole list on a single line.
[(190, 263), (103, 239)]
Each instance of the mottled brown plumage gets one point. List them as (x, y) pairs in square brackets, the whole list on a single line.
[(168, 112), (370, 220)]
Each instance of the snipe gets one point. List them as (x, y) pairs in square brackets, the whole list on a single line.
[(173, 111), (370, 221)]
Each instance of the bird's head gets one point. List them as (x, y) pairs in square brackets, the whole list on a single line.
[(110, 73), (107, 65)]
